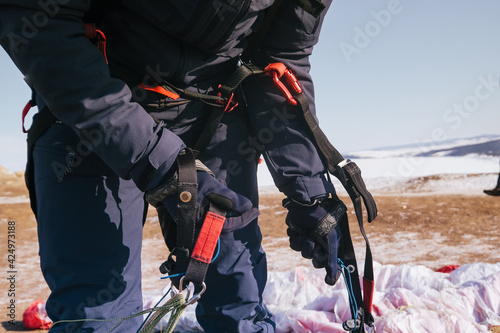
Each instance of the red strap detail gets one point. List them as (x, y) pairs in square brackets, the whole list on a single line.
[(368, 288), (101, 43), (207, 240), (26, 109), (160, 90), (92, 33), (277, 67)]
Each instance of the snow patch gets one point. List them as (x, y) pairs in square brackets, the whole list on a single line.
[(407, 298)]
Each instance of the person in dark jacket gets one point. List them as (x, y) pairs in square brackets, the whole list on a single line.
[(114, 142)]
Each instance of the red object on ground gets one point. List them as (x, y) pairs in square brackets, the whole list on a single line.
[(35, 317), (447, 268)]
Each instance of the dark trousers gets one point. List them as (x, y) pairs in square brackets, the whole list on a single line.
[(90, 234)]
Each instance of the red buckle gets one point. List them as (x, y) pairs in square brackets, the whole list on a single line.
[(278, 70), (230, 104)]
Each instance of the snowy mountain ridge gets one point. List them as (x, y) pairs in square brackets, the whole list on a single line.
[(486, 145)]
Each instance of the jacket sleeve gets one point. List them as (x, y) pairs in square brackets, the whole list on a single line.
[(290, 155), (46, 40)]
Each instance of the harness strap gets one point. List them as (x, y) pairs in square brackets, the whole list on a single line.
[(194, 254), (186, 207), (350, 176), (246, 69), (226, 92)]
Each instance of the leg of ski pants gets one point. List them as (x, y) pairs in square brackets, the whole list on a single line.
[(90, 235), (236, 279)]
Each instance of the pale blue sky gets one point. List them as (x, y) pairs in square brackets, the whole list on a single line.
[(386, 73), (418, 73)]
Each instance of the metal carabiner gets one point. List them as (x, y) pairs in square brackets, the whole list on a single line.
[(196, 297)]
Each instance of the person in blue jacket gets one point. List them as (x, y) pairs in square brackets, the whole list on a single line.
[(113, 141)]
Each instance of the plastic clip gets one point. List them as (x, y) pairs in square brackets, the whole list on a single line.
[(278, 71), (229, 104)]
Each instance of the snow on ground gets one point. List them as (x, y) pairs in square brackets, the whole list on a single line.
[(407, 299), (14, 200), (460, 175)]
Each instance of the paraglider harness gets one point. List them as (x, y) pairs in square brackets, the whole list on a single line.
[(194, 251)]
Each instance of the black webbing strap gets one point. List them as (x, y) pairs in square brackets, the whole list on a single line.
[(345, 170), (193, 251), (350, 176), (186, 208), (226, 91), (246, 69)]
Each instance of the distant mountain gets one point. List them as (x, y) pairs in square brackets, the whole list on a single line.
[(487, 145)]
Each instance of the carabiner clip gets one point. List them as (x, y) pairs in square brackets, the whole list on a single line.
[(196, 297), (277, 70)]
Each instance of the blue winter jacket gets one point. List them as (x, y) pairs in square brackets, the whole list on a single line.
[(185, 42)]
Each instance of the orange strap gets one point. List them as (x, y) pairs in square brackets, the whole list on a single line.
[(160, 90), (207, 240)]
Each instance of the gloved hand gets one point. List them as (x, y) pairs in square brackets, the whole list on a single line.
[(193, 193), (239, 209), (314, 230)]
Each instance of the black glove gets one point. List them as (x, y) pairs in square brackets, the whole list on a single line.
[(239, 209), (314, 230)]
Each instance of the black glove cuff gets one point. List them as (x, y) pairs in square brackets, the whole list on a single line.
[(171, 186), (157, 195)]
